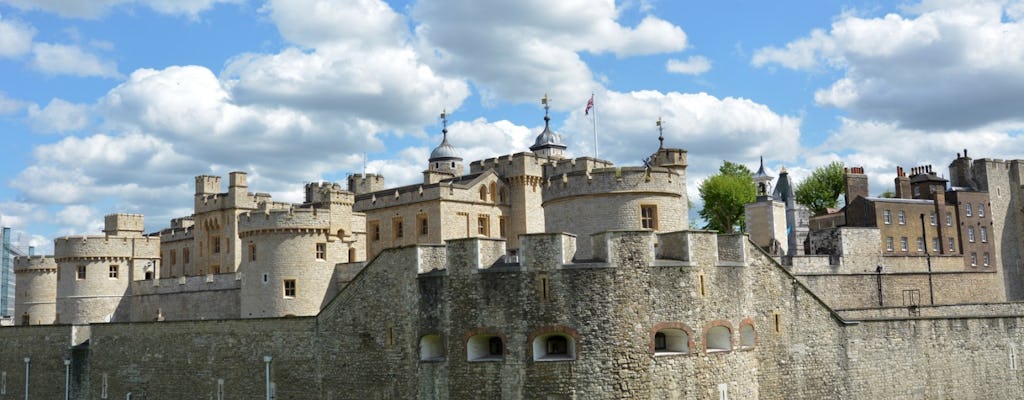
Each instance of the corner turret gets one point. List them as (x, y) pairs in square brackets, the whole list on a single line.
[(444, 161), (548, 144)]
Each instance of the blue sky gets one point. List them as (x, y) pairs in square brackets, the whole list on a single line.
[(115, 105)]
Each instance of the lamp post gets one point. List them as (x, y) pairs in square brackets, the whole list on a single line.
[(28, 360), (67, 379), (266, 361)]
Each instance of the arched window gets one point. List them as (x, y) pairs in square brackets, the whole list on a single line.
[(673, 340), (503, 196), (483, 193), (351, 254), (554, 347), (485, 347), (431, 348), (748, 337), (494, 194), (718, 338)]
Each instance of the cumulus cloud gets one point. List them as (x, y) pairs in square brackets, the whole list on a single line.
[(945, 66), (512, 52), (98, 8), (9, 105), (79, 218), (15, 38), (695, 65), (61, 59), (58, 116)]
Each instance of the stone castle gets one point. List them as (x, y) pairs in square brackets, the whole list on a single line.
[(535, 276)]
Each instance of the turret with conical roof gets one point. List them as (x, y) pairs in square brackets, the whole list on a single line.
[(548, 144), (444, 161), (763, 182)]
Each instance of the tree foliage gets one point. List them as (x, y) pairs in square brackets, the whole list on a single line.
[(821, 190), (725, 195)]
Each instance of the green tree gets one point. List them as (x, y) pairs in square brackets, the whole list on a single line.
[(725, 195), (821, 190)]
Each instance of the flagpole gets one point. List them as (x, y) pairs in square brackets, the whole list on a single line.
[(595, 126)]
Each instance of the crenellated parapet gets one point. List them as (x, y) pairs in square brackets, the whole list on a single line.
[(512, 165), (570, 166), (328, 193), (610, 181), (123, 224), (291, 219), (35, 264), (70, 248), (365, 183)]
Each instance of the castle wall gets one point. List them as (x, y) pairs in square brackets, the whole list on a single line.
[(903, 289), (185, 360), (1002, 180), (186, 298), (935, 358), (36, 285), (46, 347)]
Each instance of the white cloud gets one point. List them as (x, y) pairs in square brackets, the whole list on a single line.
[(518, 50), (949, 66), (79, 218), (15, 38), (315, 23), (60, 59), (58, 116), (98, 8), (9, 105), (695, 65)]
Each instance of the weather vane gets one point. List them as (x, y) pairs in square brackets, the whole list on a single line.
[(544, 101)]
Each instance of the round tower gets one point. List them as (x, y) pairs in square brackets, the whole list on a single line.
[(288, 260), (35, 302), (94, 273)]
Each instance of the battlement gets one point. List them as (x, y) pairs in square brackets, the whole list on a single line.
[(93, 247), (34, 263), (517, 164), (123, 224), (207, 184), (182, 222), (581, 164), (290, 218), (365, 183), (174, 234), (669, 158), (327, 192), (612, 180)]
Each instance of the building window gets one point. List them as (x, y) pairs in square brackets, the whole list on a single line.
[(503, 196), (887, 217), (931, 219), (888, 243), (485, 347), (920, 244), (80, 274), (981, 210), (252, 252), (397, 228), (936, 244), (149, 275), (483, 193), (424, 228), (903, 243), (952, 244), (321, 251), (554, 347), (984, 234), (671, 341), (902, 216), (26, 319), (482, 225), (748, 337), (974, 259), (718, 339), (967, 209), (494, 194), (949, 219), (649, 216), (184, 256), (215, 244), (501, 227), (374, 231), (112, 272), (970, 234), (289, 288), (985, 259), (431, 348), (174, 257)]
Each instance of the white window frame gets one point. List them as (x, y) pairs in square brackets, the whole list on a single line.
[(887, 217), (904, 244), (902, 217), (889, 243)]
